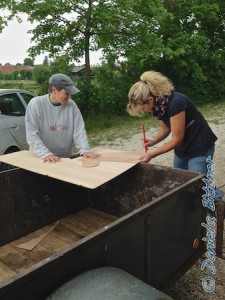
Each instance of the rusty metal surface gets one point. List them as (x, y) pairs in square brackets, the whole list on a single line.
[(138, 186)]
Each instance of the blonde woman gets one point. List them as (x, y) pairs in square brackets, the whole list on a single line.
[(191, 137)]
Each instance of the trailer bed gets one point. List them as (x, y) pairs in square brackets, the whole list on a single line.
[(146, 221), (14, 260)]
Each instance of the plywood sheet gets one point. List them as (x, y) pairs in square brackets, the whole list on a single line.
[(112, 163)]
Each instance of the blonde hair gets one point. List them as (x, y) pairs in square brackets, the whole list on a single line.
[(151, 83)]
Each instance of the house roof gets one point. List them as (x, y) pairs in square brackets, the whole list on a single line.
[(78, 69), (9, 69)]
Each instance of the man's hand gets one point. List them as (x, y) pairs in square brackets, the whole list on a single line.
[(51, 158)]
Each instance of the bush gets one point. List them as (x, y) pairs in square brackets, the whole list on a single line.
[(107, 93)]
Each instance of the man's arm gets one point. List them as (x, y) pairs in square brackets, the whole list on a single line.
[(34, 140)]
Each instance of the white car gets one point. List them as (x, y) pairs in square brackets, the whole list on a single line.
[(13, 103)]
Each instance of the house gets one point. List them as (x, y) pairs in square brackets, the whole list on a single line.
[(9, 68), (78, 72)]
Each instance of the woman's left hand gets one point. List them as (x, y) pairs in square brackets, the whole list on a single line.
[(90, 155), (146, 157)]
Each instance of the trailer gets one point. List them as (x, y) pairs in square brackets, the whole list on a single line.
[(146, 222)]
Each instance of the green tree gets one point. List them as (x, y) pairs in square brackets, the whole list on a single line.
[(26, 74), (41, 74), (2, 75), (8, 76), (15, 75), (108, 92), (71, 27), (186, 43), (184, 39), (3, 21), (28, 62), (61, 65), (192, 44), (46, 61)]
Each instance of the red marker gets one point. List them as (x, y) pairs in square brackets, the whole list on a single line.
[(144, 137)]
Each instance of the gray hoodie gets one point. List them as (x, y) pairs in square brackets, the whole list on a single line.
[(54, 129)]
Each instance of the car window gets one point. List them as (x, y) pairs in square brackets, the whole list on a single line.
[(27, 97), (10, 105)]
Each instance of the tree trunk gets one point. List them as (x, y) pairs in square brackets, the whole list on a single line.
[(87, 59), (87, 44)]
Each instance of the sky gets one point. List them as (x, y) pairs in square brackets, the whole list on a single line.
[(15, 41)]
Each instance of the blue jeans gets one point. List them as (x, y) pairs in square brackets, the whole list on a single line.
[(196, 164)]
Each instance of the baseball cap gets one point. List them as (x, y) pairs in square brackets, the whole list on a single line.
[(62, 81)]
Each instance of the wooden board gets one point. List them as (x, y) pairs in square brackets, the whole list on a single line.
[(14, 260), (113, 156), (112, 163)]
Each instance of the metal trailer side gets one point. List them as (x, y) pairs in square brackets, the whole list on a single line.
[(159, 215)]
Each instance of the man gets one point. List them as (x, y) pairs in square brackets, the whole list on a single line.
[(54, 122)]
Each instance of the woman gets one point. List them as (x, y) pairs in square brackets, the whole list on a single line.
[(191, 137)]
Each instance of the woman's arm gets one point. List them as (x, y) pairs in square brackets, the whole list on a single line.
[(177, 124), (164, 131)]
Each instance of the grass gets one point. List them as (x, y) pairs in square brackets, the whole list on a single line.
[(214, 112), (107, 130), (28, 85)]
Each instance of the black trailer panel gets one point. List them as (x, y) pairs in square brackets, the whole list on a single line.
[(159, 215)]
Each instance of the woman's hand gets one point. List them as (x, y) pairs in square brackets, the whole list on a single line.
[(90, 155), (177, 129), (149, 143), (146, 157)]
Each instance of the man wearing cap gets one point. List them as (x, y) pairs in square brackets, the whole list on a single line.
[(54, 122)]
